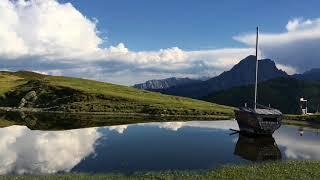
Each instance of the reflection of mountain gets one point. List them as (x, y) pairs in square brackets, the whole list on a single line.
[(257, 148)]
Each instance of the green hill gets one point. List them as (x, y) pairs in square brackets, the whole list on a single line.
[(281, 93), (67, 94)]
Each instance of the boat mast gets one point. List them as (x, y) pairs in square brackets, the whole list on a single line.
[(256, 84)]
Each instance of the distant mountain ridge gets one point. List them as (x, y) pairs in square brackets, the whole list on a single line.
[(241, 74), (311, 75), (165, 83), (281, 93)]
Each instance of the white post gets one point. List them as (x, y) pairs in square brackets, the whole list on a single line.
[(256, 84), (306, 106)]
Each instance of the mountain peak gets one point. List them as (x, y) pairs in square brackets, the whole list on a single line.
[(248, 64), (252, 58), (241, 74)]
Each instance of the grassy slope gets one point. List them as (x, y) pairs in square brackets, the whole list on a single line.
[(275, 170), (98, 96), (282, 93), (8, 82)]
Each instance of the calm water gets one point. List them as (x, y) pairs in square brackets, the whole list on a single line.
[(144, 147)]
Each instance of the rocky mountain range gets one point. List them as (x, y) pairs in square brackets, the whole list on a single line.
[(156, 85), (241, 74)]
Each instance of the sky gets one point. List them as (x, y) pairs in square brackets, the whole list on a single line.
[(127, 42)]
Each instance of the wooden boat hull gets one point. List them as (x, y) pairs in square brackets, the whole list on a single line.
[(258, 123)]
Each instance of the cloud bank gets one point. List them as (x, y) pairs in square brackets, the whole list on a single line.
[(296, 49), (55, 38)]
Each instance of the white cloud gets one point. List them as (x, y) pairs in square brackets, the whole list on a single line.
[(23, 151), (52, 37), (296, 48), (290, 70), (300, 24), (45, 28), (55, 38)]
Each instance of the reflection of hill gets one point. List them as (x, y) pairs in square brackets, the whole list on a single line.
[(261, 148), (52, 121), (65, 121)]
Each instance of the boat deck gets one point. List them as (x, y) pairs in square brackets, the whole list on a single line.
[(262, 111)]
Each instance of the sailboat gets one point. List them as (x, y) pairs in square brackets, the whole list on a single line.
[(260, 119)]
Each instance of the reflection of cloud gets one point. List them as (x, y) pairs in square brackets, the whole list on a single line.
[(23, 151), (298, 149), (120, 129), (174, 126)]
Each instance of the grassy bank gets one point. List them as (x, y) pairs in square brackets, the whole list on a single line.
[(274, 170), (313, 117), (81, 95), (303, 120)]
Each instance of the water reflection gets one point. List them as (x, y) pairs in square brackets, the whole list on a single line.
[(257, 148), (23, 151), (140, 147), (295, 146), (301, 131)]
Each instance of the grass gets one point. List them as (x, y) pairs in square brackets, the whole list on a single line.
[(135, 95), (81, 95), (312, 117), (9, 82), (303, 120), (271, 170)]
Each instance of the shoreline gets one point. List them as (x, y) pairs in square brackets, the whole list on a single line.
[(39, 110), (267, 170), (312, 121)]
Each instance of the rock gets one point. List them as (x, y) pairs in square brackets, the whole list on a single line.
[(23, 102), (30, 97)]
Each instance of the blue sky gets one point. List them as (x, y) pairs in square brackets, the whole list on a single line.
[(131, 41), (190, 24)]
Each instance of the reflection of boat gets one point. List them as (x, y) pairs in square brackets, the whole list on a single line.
[(263, 120), (258, 148)]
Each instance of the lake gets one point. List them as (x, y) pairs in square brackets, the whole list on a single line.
[(141, 147)]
